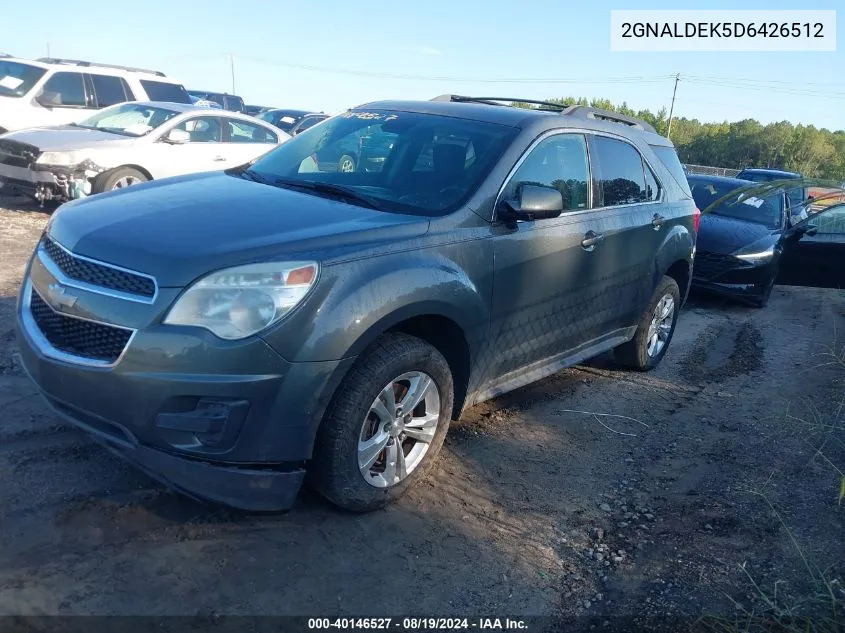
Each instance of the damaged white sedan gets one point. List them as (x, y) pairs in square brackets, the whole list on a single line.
[(127, 144)]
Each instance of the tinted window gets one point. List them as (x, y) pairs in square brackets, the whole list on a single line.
[(243, 132), (669, 157), (559, 162), (109, 90), (830, 221), (308, 122), (162, 91), (64, 89), (203, 129), (17, 79), (617, 172), (236, 104), (391, 144)]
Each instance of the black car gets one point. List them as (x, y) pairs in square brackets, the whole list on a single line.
[(226, 101), (795, 195), (818, 257), (231, 331), (292, 121), (255, 110), (747, 243)]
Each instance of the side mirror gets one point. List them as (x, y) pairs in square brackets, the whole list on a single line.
[(533, 202), (808, 229), (44, 101), (176, 137)]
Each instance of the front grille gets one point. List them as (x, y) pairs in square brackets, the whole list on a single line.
[(96, 341), (98, 274), (17, 153), (708, 266)]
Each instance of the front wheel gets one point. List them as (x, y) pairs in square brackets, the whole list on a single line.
[(385, 425), (654, 330), (119, 178), (346, 164)]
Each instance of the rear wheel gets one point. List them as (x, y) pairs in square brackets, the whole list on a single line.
[(654, 330), (385, 426), (346, 164), (119, 178)]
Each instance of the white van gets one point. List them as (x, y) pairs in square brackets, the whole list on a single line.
[(50, 91)]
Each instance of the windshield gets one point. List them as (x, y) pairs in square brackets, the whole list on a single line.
[(17, 79), (401, 161), (281, 119), (128, 119), (767, 211)]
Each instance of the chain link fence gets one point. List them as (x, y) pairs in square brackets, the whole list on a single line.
[(704, 170)]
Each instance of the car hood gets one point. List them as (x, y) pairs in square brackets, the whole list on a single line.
[(66, 138), (179, 229), (719, 234)]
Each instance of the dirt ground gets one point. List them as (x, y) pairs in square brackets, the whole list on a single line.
[(726, 458)]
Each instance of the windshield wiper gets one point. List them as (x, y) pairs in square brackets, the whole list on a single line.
[(339, 191)]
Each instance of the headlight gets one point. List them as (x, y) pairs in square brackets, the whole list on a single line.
[(758, 257), (58, 158), (238, 302)]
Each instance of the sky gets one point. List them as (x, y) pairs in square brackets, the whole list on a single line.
[(328, 56)]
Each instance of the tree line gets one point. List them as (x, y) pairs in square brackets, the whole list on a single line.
[(806, 149)]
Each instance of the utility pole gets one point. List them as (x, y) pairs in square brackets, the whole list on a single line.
[(48, 49), (672, 107), (232, 67)]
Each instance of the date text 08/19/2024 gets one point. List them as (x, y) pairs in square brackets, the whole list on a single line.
[(416, 624)]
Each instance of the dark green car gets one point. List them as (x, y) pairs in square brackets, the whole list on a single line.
[(235, 333)]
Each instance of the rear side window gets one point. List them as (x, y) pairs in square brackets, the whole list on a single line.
[(236, 104), (559, 162), (618, 176), (243, 132), (110, 90), (64, 89), (669, 157), (162, 91)]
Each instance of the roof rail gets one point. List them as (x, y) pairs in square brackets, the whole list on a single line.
[(586, 112), (79, 62), (5, 55), (548, 105)]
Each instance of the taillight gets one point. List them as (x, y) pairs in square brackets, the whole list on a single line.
[(696, 218)]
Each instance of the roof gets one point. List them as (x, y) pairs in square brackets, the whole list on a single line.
[(771, 172), (724, 180), (463, 108), (190, 107), (295, 113), (86, 66)]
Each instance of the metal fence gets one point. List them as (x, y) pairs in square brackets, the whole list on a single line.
[(704, 170)]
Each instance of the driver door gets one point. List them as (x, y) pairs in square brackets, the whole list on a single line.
[(814, 255)]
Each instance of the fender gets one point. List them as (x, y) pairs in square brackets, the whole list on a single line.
[(677, 245), (356, 302)]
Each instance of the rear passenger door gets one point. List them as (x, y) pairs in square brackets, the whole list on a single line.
[(244, 140), (626, 194), (548, 289)]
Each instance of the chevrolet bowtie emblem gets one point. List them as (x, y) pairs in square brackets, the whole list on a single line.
[(59, 297)]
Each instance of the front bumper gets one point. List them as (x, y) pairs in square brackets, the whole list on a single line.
[(228, 422), (730, 276), (48, 182)]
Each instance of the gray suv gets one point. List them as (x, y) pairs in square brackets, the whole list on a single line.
[(237, 333)]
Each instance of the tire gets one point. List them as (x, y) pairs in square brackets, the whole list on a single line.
[(635, 353), (118, 178), (336, 470), (346, 164)]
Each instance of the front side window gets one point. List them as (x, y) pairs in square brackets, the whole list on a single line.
[(204, 129), (236, 104), (830, 221), (243, 132), (17, 79), (617, 172), (372, 154), (559, 162), (163, 91), (64, 90), (128, 119), (110, 90)]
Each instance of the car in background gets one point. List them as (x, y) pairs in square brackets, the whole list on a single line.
[(247, 326), (255, 110), (747, 239), (292, 121), (127, 144), (55, 91), (232, 103), (205, 103), (795, 195)]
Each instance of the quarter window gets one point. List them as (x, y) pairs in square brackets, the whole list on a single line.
[(64, 89), (618, 172), (558, 162)]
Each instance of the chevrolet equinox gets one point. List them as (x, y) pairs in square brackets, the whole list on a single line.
[(237, 333)]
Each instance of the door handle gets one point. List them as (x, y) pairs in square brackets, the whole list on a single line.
[(657, 221), (591, 240), (219, 159)]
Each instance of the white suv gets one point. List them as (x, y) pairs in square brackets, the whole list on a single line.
[(50, 91)]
